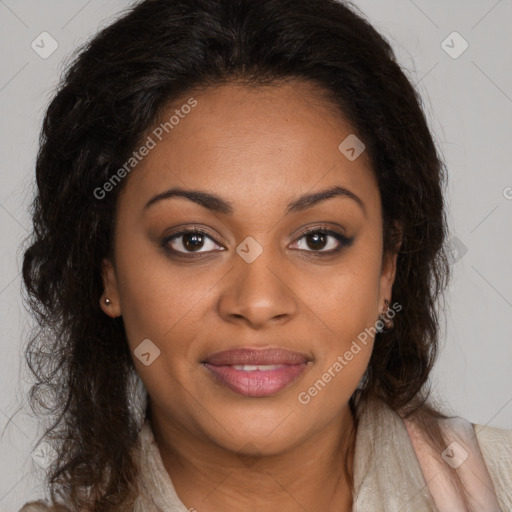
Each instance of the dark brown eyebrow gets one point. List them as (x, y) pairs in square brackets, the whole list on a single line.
[(217, 204)]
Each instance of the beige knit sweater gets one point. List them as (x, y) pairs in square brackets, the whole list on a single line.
[(394, 470)]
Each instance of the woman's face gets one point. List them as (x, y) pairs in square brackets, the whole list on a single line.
[(253, 279)]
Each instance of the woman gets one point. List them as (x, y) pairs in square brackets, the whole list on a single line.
[(239, 248)]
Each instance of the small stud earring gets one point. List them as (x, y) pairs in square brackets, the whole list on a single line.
[(107, 302), (383, 317)]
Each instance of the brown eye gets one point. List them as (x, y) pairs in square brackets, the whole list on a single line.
[(316, 241), (189, 242), (193, 241), (323, 241)]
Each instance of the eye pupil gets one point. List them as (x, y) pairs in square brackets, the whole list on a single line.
[(316, 237), (193, 241)]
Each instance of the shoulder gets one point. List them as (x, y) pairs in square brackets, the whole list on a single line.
[(496, 447), (40, 506), (490, 436), (481, 455)]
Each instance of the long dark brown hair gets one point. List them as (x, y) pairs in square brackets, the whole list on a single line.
[(109, 97)]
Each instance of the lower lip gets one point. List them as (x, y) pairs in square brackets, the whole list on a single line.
[(257, 383)]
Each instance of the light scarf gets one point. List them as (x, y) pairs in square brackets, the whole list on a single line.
[(394, 469)]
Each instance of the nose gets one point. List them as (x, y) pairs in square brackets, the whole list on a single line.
[(258, 293)]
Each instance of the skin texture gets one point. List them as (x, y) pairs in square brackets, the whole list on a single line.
[(258, 149)]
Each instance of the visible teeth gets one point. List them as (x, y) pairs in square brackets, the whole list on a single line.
[(253, 367)]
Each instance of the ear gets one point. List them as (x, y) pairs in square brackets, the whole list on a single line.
[(388, 268), (110, 289)]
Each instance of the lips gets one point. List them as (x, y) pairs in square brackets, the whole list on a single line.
[(256, 373), (256, 357)]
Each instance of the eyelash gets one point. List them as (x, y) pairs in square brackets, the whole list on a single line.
[(342, 240)]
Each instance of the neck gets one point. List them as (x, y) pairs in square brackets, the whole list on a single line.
[(309, 476)]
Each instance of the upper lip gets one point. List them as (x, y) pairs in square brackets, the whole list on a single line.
[(256, 357)]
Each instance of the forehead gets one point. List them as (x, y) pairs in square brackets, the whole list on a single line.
[(251, 142)]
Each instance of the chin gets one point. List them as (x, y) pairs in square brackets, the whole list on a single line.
[(263, 432)]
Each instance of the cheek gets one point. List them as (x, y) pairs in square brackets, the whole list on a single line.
[(346, 307), (162, 306), (347, 299), (348, 314), (166, 304)]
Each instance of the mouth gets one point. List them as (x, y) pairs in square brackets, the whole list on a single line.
[(256, 373)]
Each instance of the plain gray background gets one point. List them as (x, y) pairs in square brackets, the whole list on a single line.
[(468, 100)]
